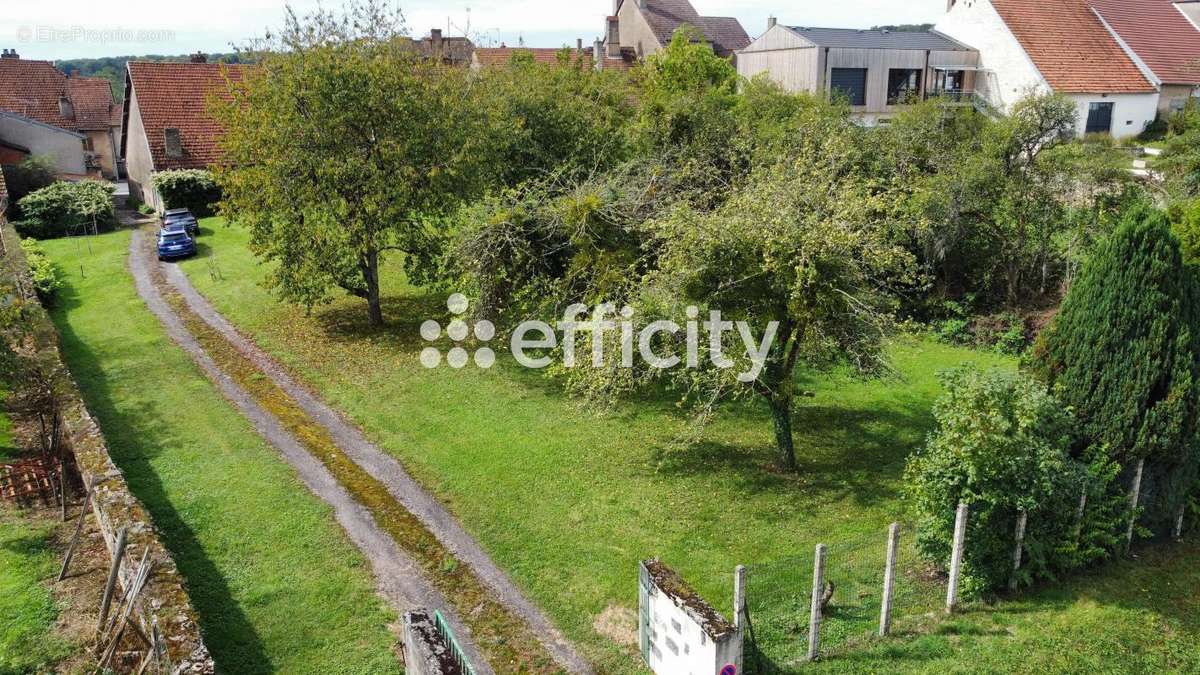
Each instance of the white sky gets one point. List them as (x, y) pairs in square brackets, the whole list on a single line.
[(63, 29)]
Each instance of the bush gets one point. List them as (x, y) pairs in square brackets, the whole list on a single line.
[(42, 272), (1003, 445), (1124, 354), (193, 189), (1185, 223), (27, 177), (64, 209)]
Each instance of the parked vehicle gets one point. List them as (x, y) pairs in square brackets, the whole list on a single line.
[(174, 241), (182, 216)]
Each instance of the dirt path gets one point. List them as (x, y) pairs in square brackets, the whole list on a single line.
[(398, 577)]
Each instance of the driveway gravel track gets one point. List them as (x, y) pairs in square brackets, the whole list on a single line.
[(397, 575), (388, 471)]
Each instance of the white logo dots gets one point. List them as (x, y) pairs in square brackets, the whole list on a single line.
[(458, 330)]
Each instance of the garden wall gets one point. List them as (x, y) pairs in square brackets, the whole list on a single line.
[(164, 605)]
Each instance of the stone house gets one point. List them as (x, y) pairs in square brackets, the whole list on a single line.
[(1035, 46), (167, 122), (74, 121), (642, 27), (878, 72)]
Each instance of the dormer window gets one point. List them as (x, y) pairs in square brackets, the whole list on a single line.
[(65, 108)]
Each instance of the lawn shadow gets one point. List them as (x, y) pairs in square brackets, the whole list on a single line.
[(134, 440)]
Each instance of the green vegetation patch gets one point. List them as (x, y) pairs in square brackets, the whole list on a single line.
[(276, 583), (27, 610)]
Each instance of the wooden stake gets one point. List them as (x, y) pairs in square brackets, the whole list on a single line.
[(739, 596), (113, 573), (960, 537), (818, 591), (889, 580), (62, 573)]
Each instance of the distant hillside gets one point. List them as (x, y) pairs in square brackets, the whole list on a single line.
[(906, 28), (112, 68)]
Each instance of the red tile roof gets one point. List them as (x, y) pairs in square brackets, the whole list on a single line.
[(33, 88), (498, 56), (1071, 47), (1161, 36), (176, 95)]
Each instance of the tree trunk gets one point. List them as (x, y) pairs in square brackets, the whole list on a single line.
[(371, 272), (781, 414)]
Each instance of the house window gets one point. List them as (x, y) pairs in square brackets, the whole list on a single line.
[(850, 84), (1100, 118), (904, 85)]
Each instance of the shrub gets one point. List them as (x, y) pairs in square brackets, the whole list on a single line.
[(42, 271), (1002, 445), (193, 189), (1185, 223), (63, 209), (1124, 354), (21, 179)]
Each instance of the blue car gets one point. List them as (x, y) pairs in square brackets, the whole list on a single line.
[(175, 242)]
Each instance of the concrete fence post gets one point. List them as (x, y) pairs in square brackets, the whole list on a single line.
[(960, 537), (739, 596), (1022, 520), (889, 580), (1079, 515), (818, 597), (1134, 495), (1178, 534)]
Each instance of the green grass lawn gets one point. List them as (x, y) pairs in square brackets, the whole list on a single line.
[(569, 500), (277, 585), (27, 610)]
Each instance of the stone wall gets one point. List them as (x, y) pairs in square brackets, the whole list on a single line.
[(426, 652), (164, 601)]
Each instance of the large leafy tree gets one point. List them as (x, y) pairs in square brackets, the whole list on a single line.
[(1124, 354), (808, 244), (341, 145)]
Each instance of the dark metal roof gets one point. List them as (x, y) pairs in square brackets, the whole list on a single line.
[(851, 38)]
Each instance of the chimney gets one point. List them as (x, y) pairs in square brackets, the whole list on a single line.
[(65, 109), (614, 36), (771, 21), (598, 52), (199, 57), (173, 142), (578, 44), (435, 38), (9, 54)]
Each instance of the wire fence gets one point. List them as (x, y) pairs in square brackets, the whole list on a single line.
[(779, 599)]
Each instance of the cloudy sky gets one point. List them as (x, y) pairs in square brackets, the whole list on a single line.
[(62, 29)]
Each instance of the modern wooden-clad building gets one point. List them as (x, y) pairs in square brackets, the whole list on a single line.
[(877, 72)]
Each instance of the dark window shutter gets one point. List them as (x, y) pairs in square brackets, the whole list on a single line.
[(851, 83)]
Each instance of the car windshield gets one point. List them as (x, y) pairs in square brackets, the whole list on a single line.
[(174, 237)]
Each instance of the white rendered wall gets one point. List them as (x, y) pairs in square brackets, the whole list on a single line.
[(1131, 112), (1010, 74)]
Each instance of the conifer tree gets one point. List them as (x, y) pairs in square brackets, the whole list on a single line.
[(1123, 354)]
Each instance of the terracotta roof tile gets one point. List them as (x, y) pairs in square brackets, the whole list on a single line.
[(1071, 47), (493, 56), (1162, 37), (33, 88), (175, 95)]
